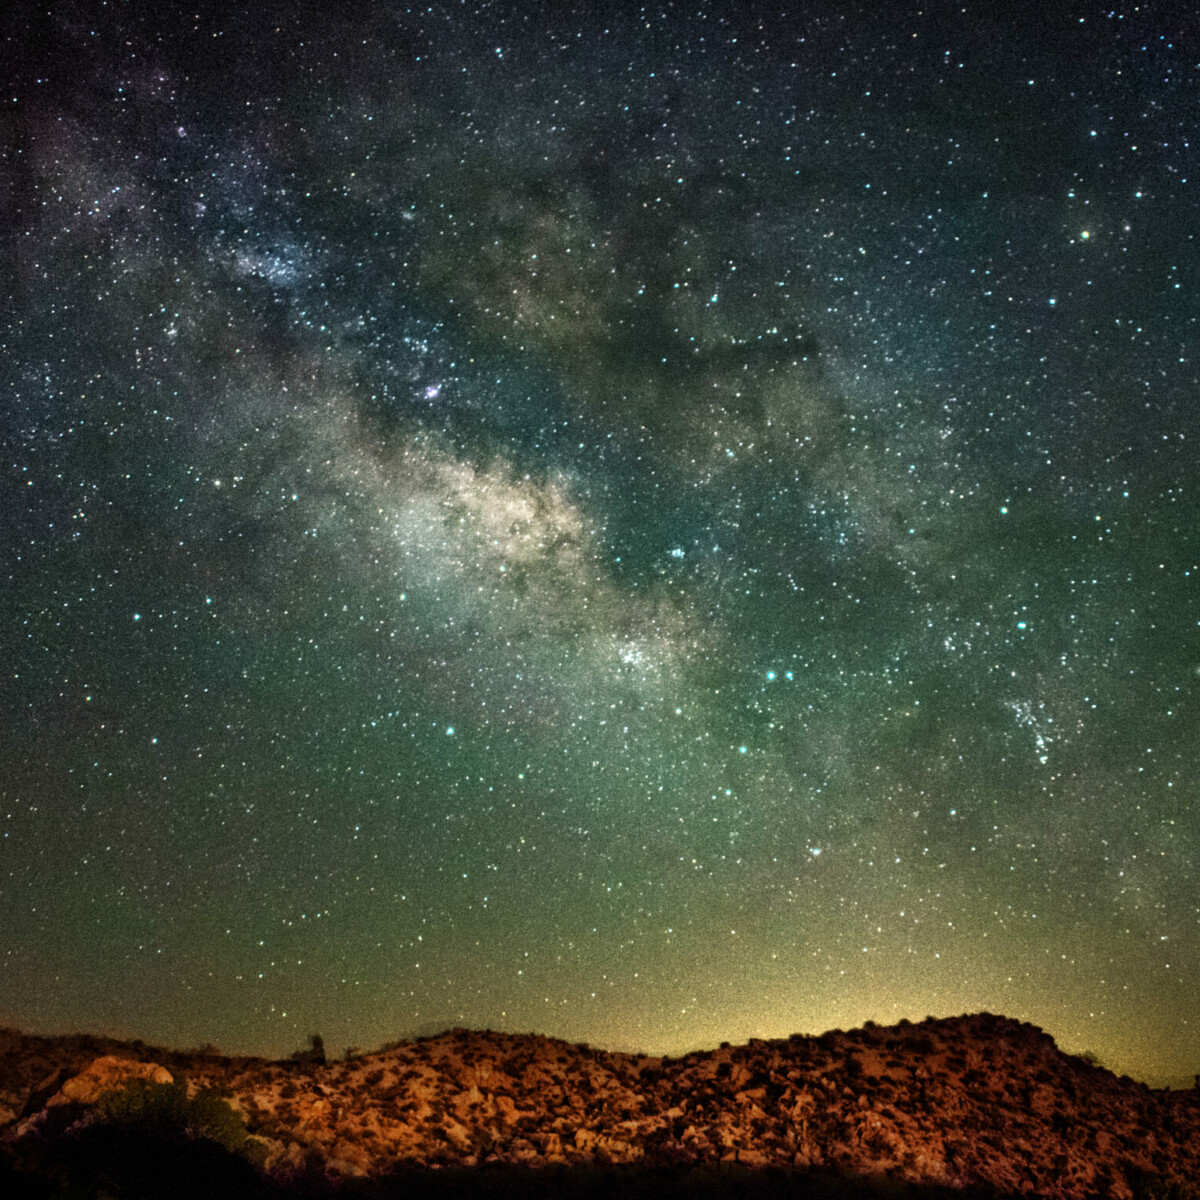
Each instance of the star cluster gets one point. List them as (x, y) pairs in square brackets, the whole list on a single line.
[(652, 529)]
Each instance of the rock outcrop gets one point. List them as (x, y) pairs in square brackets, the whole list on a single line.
[(977, 1101), (103, 1075)]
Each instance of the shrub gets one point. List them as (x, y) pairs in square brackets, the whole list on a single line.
[(166, 1110), (314, 1055)]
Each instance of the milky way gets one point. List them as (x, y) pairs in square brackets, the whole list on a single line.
[(649, 531)]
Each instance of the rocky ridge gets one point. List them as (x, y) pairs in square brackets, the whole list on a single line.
[(976, 1101)]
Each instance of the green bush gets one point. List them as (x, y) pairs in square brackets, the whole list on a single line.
[(166, 1110)]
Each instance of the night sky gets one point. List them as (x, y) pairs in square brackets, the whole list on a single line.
[(650, 528)]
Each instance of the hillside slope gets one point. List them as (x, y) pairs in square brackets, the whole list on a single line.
[(977, 1101)]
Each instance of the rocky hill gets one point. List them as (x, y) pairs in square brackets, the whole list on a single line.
[(976, 1102)]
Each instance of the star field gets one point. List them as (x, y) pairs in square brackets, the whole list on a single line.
[(651, 529)]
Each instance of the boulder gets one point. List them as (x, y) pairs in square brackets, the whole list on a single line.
[(43, 1090), (102, 1076)]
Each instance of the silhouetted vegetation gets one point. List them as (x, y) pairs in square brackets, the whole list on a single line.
[(314, 1054), (166, 1111), (135, 1166), (131, 1162)]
